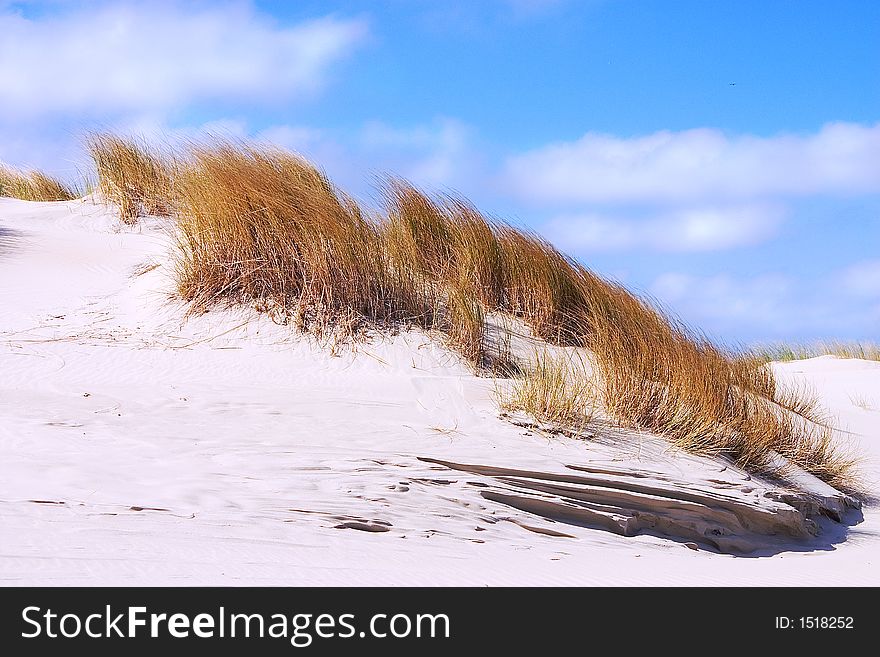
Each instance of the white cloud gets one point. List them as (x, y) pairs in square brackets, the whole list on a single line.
[(768, 304), (764, 300), (765, 307), (672, 286), (297, 138), (699, 165), (687, 229), (434, 154), (863, 279), (104, 59)]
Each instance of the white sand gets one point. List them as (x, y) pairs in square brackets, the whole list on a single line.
[(137, 448)]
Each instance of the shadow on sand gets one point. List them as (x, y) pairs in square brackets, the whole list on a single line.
[(8, 237), (712, 515)]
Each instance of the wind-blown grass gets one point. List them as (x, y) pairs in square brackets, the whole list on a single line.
[(132, 175), (33, 186), (260, 225), (558, 390)]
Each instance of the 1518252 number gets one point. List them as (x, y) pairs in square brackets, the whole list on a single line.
[(815, 623)]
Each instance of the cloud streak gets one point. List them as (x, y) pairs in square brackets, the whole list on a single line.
[(699, 165), (102, 60), (436, 154), (687, 229)]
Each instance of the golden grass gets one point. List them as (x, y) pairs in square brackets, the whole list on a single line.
[(132, 175), (465, 323), (33, 186), (658, 377), (558, 390), (259, 224)]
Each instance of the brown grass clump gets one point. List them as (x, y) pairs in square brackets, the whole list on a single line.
[(657, 376), (445, 255), (465, 323), (259, 224), (542, 286), (448, 249), (33, 186), (132, 175)]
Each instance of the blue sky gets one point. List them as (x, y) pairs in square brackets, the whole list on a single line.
[(723, 157)]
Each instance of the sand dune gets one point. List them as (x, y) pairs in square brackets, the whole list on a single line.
[(138, 446)]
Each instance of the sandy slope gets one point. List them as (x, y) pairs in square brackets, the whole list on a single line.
[(139, 448)]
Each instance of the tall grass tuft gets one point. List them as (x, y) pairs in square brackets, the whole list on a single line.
[(258, 223), (558, 390), (33, 186), (132, 175), (659, 377)]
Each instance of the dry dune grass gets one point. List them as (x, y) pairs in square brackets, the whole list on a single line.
[(449, 250), (259, 224), (559, 391), (132, 175), (707, 402), (33, 186)]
